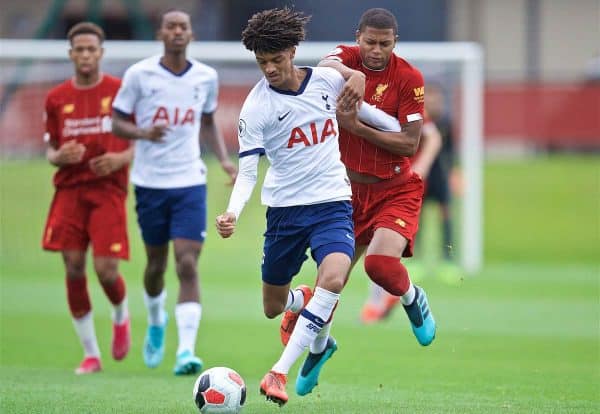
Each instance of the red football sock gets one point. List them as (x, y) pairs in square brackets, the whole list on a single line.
[(115, 291), (388, 272), (78, 297)]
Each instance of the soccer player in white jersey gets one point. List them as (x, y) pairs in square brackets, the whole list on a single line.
[(173, 99), (290, 116)]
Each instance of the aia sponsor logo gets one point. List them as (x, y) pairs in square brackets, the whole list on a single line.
[(317, 135), (173, 116)]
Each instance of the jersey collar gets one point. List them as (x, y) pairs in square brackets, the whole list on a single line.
[(302, 85)]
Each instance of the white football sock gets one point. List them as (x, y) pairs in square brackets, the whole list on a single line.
[(310, 322), (409, 296), (295, 300), (156, 306), (120, 312), (320, 342), (84, 327), (187, 315)]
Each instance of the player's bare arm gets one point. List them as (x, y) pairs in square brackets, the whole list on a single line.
[(71, 152), (403, 143), (210, 132), (431, 144), (127, 129), (354, 88), (111, 161)]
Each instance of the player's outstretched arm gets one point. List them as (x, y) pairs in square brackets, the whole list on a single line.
[(403, 143), (125, 128), (210, 132), (242, 190), (354, 88)]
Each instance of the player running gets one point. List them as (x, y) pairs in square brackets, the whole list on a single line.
[(91, 188), (289, 116), (387, 194), (173, 99)]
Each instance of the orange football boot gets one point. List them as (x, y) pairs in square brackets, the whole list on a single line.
[(288, 322)]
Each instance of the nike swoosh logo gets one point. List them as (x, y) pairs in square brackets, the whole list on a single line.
[(282, 117), (349, 237)]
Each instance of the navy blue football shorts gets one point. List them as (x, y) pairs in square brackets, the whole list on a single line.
[(174, 213), (324, 228)]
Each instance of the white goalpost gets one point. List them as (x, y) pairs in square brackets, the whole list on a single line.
[(41, 62)]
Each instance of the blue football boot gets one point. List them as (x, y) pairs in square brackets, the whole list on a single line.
[(308, 376), (154, 344), (421, 318), (187, 364)]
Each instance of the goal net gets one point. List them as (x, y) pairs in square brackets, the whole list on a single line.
[(31, 67)]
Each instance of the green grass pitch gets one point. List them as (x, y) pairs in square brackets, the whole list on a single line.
[(520, 337)]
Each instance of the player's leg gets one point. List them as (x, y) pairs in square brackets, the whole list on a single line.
[(384, 267), (153, 218), (283, 255), (155, 297), (187, 230), (333, 249), (114, 287), (65, 231), (188, 310), (81, 310), (395, 226), (108, 233)]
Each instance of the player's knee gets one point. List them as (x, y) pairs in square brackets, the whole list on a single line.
[(376, 267), (156, 268), (331, 282), (186, 266)]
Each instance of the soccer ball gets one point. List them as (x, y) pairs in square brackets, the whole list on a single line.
[(219, 390)]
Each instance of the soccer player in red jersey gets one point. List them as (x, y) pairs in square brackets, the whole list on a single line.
[(387, 193), (91, 189)]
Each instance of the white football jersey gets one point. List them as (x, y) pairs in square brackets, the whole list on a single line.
[(298, 132), (157, 96)]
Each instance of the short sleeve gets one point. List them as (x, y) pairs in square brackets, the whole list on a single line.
[(334, 79), (412, 97), (128, 94), (212, 97), (251, 127), (50, 123), (348, 55)]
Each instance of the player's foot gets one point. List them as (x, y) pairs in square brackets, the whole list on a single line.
[(308, 376), (421, 318), (154, 344), (88, 366), (273, 387), (288, 322), (450, 273), (187, 363), (375, 312), (121, 341)]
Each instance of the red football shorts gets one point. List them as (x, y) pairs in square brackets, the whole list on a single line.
[(393, 204), (88, 213)]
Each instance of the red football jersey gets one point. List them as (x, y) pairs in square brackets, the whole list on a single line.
[(84, 114), (397, 90)]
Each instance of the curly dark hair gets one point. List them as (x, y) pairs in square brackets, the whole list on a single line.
[(274, 30)]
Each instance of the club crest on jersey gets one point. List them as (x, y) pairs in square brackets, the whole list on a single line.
[(325, 97), (173, 116), (379, 90), (298, 136), (105, 105)]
